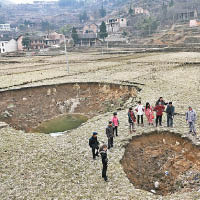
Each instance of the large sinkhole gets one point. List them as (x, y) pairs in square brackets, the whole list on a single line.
[(34, 108), (162, 163)]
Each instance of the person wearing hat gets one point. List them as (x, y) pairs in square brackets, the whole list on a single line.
[(191, 118), (94, 145), (110, 134), (115, 122)]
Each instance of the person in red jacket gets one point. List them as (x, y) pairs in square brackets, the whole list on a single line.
[(159, 112)]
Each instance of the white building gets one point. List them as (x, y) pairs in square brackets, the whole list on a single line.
[(114, 25), (8, 46), (5, 27), (140, 10)]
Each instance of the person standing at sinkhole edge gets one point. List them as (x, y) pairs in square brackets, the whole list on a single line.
[(149, 113), (170, 114), (103, 153), (159, 112), (115, 122), (140, 111), (110, 134), (131, 119), (94, 145), (191, 118)]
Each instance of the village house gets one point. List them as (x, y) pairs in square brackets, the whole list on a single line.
[(54, 39), (37, 42), (8, 45), (90, 28), (114, 25), (5, 27), (140, 10), (186, 14), (89, 39)]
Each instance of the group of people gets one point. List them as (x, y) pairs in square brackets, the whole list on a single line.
[(140, 110), (111, 132), (148, 110)]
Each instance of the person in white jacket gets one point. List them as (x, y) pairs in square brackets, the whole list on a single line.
[(140, 111), (191, 118)]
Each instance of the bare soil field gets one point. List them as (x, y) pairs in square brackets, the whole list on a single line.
[(38, 166)]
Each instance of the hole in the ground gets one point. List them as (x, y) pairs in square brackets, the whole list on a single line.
[(162, 163), (27, 108)]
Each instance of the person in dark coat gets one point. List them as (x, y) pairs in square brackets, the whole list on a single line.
[(161, 100), (103, 152), (110, 134), (94, 145), (131, 119), (170, 114)]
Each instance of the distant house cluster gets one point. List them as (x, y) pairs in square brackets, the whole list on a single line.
[(49, 40), (8, 44), (88, 34)]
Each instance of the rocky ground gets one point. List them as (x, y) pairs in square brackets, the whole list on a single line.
[(38, 166)]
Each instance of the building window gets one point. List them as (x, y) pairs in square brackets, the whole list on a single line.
[(3, 50)]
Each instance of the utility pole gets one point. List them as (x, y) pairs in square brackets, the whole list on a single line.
[(67, 61)]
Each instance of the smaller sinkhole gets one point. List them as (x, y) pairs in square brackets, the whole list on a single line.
[(162, 163), (61, 124)]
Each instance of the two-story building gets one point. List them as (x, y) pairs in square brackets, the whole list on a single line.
[(54, 39), (88, 39), (114, 25)]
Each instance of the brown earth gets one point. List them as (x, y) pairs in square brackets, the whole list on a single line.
[(148, 157), (26, 108)]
